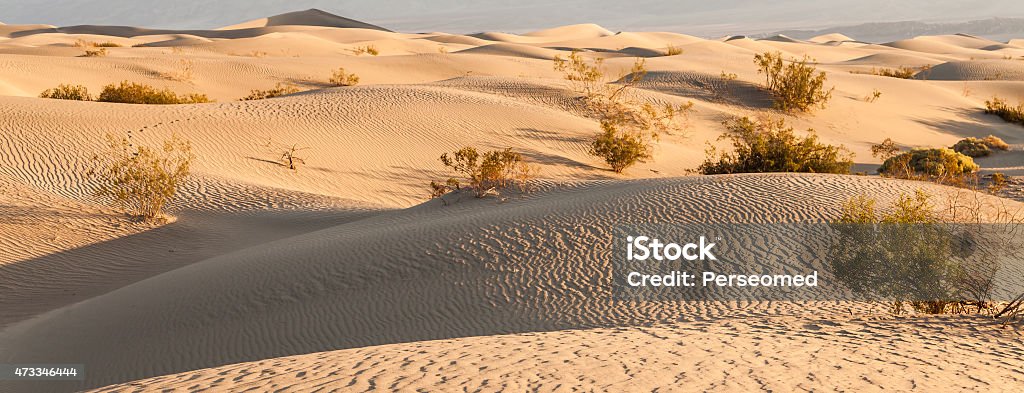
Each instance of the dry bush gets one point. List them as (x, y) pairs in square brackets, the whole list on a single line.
[(875, 95), (972, 147), (901, 72), (672, 50), (486, 173), (140, 179), (134, 93), (101, 52), (372, 50), (183, 73), (999, 181), (995, 143), (67, 92), (941, 165), (629, 127), (797, 86), (885, 150), (768, 145), (342, 78), (107, 44), (281, 89), (80, 43), (997, 106), (287, 155)]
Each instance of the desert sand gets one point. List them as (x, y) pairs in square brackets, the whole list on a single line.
[(344, 275)]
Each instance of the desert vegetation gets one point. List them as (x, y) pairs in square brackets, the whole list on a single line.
[(281, 89), (768, 145), (67, 92), (1013, 114), (874, 96), (80, 43), (629, 127), (797, 86), (135, 93), (974, 147), (368, 49), (101, 52), (184, 72), (342, 78), (942, 165), (140, 179), (899, 72), (672, 50), (484, 173), (907, 255)]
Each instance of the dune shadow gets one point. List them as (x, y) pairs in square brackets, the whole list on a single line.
[(975, 123), (709, 88)]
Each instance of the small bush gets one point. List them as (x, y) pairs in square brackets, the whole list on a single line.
[(134, 93), (672, 50), (486, 173), (107, 44), (999, 181), (67, 92), (995, 143), (928, 163), (101, 52), (875, 95), (628, 127), (767, 145), (885, 150), (997, 106), (372, 50), (279, 90), (797, 86), (972, 147), (901, 72), (341, 78), (140, 179)]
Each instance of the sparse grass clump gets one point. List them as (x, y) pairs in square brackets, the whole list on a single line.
[(629, 127), (371, 49), (342, 78), (101, 52), (107, 44), (140, 179), (995, 143), (767, 145), (672, 50), (997, 106), (134, 93), (485, 173), (902, 72), (797, 86), (875, 95), (67, 92), (281, 89), (935, 164)]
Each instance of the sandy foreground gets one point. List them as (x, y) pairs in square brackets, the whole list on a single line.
[(343, 276)]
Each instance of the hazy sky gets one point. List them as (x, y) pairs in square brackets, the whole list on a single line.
[(703, 17)]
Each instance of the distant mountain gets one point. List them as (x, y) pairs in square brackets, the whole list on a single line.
[(310, 17), (999, 29)]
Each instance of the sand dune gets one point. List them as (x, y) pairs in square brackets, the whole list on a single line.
[(267, 265)]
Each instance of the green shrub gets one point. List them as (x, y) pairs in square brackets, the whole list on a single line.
[(928, 163), (885, 150), (140, 179), (342, 78), (972, 147), (279, 90), (134, 93), (767, 145), (67, 92), (997, 106), (620, 150), (999, 181), (486, 173), (797, 86)]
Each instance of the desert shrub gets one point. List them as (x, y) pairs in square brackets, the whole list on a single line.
[(95, 53), (995, 143), (885, 150), (767, 145), (797, 86), (999, 181), (485, 173), (134, 93), (107, 44), (875, 95), (929, 164), (972, 147), (629, 127), (67, 92), (342, 78), (997, 106), (672, 50), (279, 90), (372, 50), (900, 72), (902, 255), (80, 43), (140, 179)]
